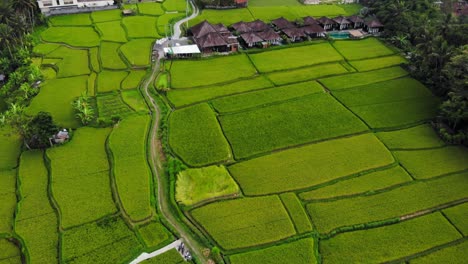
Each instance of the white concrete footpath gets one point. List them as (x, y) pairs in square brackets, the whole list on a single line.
[(145, 256)]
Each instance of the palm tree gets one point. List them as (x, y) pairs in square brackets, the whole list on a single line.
[(26, 8), (5, 37)]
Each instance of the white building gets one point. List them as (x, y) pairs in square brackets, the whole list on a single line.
[(47, 5)]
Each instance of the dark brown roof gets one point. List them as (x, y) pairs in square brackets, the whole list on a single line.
[(212, 39), (282, 23), (241, 27), (355, 19), (201, 29), (258, 25), (230, 39), (313, 29), (326, 21), (269, 35), (251, 38), (341, 20), (374, 23), (294, 32), (308, 20), (221, 28)]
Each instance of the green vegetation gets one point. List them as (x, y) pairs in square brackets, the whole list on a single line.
[(10, 254), (11, 147), (91, 91), (308, 119), (227, 17), (296, 57), (309, 73), (389, 242), (154, 9), (94, 59), (359, 79), (133, 79), (138, 51), (362, 49), (299, 252), (132, 176), (296, 212), (140, 26), (196, 185), (49, 73), (154, 234), (73, 36), (167, 19), (106, 241), (422, 136), (265, 97), (71, 20), (56, 98), (192, 73), (310, 165), (274, 3), (134, 99), (107, 15), (80, 177), (110, 57), (442, 160), (45, 48), (451, 254), (73, 62), (169, 257), (111, 106), (7, 200), (190, 96), (112, 31), (245, 222), (393, 203), (377, 63), (108, 81), (36, 221), (175, 5), (366, 183), (458, 216), (196, 136)]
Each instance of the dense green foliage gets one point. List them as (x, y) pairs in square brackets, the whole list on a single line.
[(313, 164), (296, 212), (299, 252), (389, 242), (245, 222), (196, 185), (196, 136), (390, 204), (290, 123)]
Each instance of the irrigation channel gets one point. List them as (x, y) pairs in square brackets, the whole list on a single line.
[(163, 196)]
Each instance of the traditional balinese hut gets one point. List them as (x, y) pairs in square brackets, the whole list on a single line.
[(341, 22), (314, 31), (257, 25), (210, 37), (308, 20), (201, 29), (294, 34), (251, 39), (270, 36), (282, 23), (326, 23), (241, 27), (374, 26), (356, 21)]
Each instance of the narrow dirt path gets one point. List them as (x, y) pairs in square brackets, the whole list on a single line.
[(178, 24)]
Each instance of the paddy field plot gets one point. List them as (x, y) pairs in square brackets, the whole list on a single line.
[(140, 26), (57, 96), (107, 15), (10, 253), (73, 36), (108, 81), (364, 78), (48, 73), (11, 148), (196, 185), (309, 73), (296, 212), (387, 205), (458, 216), (94, 59), (378, 63), (196, 136), (73, 62), (153, 9), (111, 31), (91, 91), (450, 254), (182, 97), (389, 242), (45, 48), (274, 3), (175, 5), (135, 100), (268, 13), (291, 123), (110, 57), (192, 73), (310, 165), (71, 20), (265, 97), (227, 17), (127, 143), (36, 221), (326, 10), (245, 222), (107, 241), (166, 20), (111, 105), (154, 234), (138, 51), (294, 57), (418, 137), (80, 177), (7, 200), (362, 49), (170, 257), (298, 252), (133, 79), (366, 183), (442, 161)]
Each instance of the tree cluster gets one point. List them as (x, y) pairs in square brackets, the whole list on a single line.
[(436, 43)]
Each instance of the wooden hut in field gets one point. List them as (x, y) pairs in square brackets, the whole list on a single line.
[(374, 26), (251, 39), (326, 23), (308, 21), (294, 34), (258, 25), (241, 27), (270, 37), (356, 21), (282, 23), (341, 23), (211, 38), (314, 31)]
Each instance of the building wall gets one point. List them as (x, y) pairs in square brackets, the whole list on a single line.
[(46, 5)]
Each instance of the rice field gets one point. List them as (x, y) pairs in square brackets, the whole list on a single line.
[(175, 5), (10, 252), (7, 200), (140, 27), (111, 105), (73, 36), (71, 20), (133, 79), (378, 63), (450, 254), (169, 257), (152, 9), (296, 212), (73, 62), (458, 216), (362, 49), (110, 56), (111, 31), (154, 234), (138, 52), (304, 74), (418, 137), (108, 81), (11, 147), (134, 99), (108, 15)]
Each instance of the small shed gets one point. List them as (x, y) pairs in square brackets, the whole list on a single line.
[(182, 51), (127, 12)]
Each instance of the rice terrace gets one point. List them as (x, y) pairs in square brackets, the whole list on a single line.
[(191, 132)]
